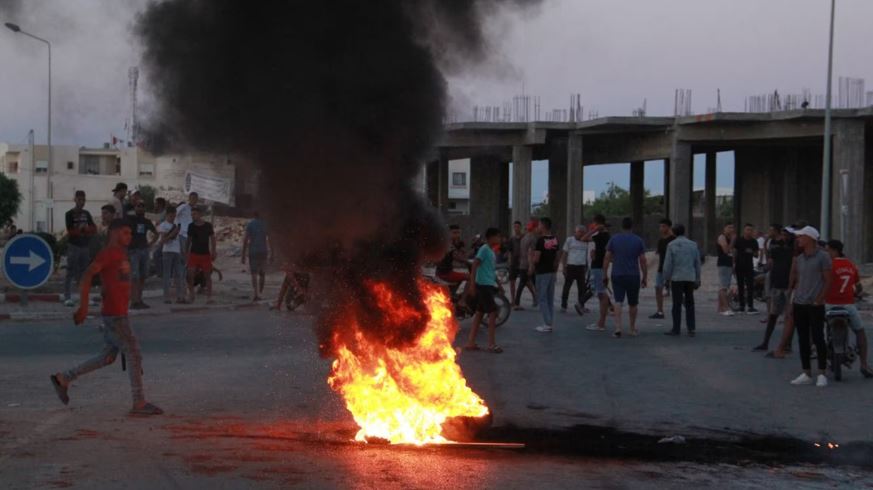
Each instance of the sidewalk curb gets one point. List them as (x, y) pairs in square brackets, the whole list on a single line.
[(58, 297), (27, 316)]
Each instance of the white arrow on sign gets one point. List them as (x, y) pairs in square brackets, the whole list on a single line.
[(31, 262)]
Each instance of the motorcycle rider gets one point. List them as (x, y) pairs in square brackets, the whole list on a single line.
[(844, 287)]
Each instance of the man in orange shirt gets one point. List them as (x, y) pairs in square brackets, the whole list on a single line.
[(842, 295), (114, 268)]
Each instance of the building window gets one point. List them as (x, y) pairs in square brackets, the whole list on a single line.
[(42, 167), (12, 167), (147, 169), (70, 165), (459, 179), (118, 167), (89, 165)]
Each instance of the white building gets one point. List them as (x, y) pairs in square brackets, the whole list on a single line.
[(459, 186), (96, 171)]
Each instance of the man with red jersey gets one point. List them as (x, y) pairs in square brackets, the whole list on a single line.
[(114, 269), (842, 295)]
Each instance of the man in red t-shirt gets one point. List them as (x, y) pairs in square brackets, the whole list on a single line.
[(114, 269), (842, 295)]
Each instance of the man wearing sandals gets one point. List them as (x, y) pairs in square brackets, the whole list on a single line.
[(627, 254), (485, 280), (114, 268)]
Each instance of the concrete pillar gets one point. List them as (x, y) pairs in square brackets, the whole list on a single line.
[(485, 177), (503, 221), (521, 182), (637, 194), (681, 164), (710, 223), (575, 183), (666, 187), (558, 186), (443, 185), (848, 193)]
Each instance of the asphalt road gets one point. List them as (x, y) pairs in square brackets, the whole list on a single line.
[(248, 406)]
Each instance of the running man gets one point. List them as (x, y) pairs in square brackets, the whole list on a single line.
[(114, 270)]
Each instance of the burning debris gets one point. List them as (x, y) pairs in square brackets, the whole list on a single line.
[(338, 102)]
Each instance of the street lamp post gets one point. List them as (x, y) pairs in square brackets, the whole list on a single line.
[(826, 160), (49, 193)]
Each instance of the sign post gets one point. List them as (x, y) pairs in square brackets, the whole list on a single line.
[(28, 262)]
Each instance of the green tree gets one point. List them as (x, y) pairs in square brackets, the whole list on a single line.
[(615, 201), (541, 210), (10, 199)]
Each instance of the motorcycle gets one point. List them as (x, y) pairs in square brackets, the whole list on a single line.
[(841, 352), (463, 310)]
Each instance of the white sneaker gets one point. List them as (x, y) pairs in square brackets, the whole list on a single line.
[(69, 302), (727, 313), (594, 328), (544, 329), (803, 379), (822, 381)]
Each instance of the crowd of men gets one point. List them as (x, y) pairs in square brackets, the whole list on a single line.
[(796, 275), (182, 248)]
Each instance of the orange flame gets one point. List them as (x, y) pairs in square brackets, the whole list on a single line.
[(404, 395)]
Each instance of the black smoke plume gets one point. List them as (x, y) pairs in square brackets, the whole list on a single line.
[(338, 103)]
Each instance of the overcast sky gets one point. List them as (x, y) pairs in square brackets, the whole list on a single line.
[(614, 53)]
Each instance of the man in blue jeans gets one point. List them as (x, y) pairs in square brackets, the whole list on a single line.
[(627, 254), (682, 274), (544, 263)]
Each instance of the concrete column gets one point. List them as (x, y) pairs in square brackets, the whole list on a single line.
[(709, 206), (848, 193), (680, 169), (503, 221), (484, 194), (558, 186), (574, 182), (637, 194), (443, 185), (521, 182), (666, 187)]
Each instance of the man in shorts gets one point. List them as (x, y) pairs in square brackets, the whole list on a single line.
[(842, 295), (599, 235), (780, 254), (725, 266), (114, 269), (627, 254), (256, 246), (201, 253), (485, 289)]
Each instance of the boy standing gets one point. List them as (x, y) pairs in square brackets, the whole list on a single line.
[(200, 253), (114, 269), (486, 287), (171, 253)]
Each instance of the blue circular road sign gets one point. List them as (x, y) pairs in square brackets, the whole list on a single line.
[(28, 261)]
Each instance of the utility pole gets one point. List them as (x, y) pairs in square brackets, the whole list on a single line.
[(826, 160)]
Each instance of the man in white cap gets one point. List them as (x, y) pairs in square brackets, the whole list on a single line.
[(810, 279)]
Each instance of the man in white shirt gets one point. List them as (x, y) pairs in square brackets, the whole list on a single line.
[(171, 256), (183, 218), (574, 259)]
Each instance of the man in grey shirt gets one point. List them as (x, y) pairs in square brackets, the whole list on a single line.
[(810, 279)]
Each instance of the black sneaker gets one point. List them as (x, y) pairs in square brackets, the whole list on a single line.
[(760, 348), (672, 333), (692, 334), (751, 311), (657, 316)]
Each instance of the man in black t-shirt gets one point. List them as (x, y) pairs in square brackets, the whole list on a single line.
[(200, 249), (80, 230), (780, 254), (667, 236), (138, 253), (544, 263), (445, 269), (599, 235), (745, 250)]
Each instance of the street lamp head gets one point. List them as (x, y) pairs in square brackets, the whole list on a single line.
[(13, 27)]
